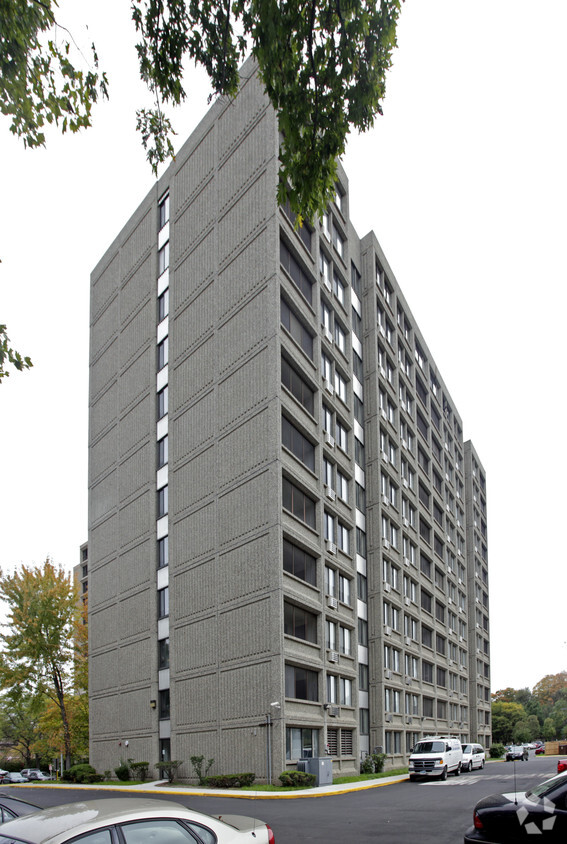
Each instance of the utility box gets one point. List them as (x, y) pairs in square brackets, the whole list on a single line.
[(321, 766)]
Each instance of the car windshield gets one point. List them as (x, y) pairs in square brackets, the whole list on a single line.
[(429, 747), (544, 789), (467, 748)]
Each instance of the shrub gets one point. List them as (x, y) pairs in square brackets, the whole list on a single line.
[(373, 763), (122, 772), (230, 780), (496, 751), (169, 769), (81, 773), (297, 778), (197, 762), (141, 769)]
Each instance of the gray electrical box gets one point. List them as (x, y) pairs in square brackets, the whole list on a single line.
[(321, 766)]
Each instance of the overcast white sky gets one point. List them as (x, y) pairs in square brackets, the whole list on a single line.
[(464, 181)]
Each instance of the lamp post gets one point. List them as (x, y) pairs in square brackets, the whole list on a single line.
[(276, 705)]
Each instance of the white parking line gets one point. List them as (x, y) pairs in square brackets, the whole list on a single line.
[(470, 779)]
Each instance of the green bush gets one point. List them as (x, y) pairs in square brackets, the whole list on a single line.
[(168, 769), (297, 778), (230, 780), (373, 763), (140, 770), (122, 772), (198, 762), (496, 751), (81, 773)]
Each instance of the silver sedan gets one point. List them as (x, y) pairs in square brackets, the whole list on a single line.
[(129, 820)]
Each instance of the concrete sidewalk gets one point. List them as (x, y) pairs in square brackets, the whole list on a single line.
[(163, 787)]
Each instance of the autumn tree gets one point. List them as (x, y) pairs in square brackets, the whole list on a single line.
[(37, 647), (20, 714), (551, 688), (505, 716)]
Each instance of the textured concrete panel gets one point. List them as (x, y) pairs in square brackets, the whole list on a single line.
[(195, 171), (194, 481), (104, 496), (196, 269), (197, 646), (139, 242), (245, 160), (244, 571), (244, 390), (104, 368), (104, 538), (103, 454), (194, 220), (245, 691), (136, 660), (246, 216), (134, 711), (105, 328), (137, 566), (103, 631), (102, 714), (104, 670), (195, 590), (137, 424), (246, 271), (137, 471), (245, 331), (193, 324), (196, 534), (236, 457), (139, 286), (195, 374), (238, 118), (135, 611), (105, 286), (135, 519), (138, 378), (135, 334), (195, 427), (197, 700), (244, 509), (245, 631), (103, 410)]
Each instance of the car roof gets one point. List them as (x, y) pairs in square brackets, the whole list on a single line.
[(47, 825)]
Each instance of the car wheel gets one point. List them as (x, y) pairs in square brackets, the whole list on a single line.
[(412, 779), (458, 771), (482, 765), (444, 774)]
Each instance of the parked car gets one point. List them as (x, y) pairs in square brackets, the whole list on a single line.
[(34, 774), (473, 757), (540, 748), (13, 807), (510, 818), (435, 756), (516, 751), (12, 776), (561, 766), (132, 820)]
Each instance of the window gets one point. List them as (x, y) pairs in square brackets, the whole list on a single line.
[(345, 637), (338, 288), (341, 436), (338, 242), (326, 368), (298, 503), (298, 562), (299, 623), (362, 584), (163, 552), (342, 486), (301, 743), (163, 501), (330, 581), (163, 305), (298, 387), (343, 538), (392, 700), (162, 401), (345, 692), (363, 632), (391, 658), (363, 683), (426, 636), (426, 672), (440, 644), (298, 444), (331, 635), (163, 696), (163, 258), (163, 653), (163, 451), (441, 677), (163, 211), (329, 527), (296, 328), (163, 602), (364, 724), (360, 542), (340, 386), (340, 337), (298, 275), (300, 683), (344, 589)]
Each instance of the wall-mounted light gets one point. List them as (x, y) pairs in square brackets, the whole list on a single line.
[(153, 704)]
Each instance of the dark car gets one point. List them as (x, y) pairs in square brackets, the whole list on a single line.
[(12, 807), (516, 751), (12, 776), (517, 817)]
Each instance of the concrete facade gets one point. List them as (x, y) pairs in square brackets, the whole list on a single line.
[(274, 458)]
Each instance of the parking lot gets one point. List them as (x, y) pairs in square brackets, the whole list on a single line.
[(429, 812)]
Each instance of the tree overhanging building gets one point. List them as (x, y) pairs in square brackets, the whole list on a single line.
[(285, 524)]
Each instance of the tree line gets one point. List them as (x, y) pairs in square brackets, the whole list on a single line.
[(522, 715)]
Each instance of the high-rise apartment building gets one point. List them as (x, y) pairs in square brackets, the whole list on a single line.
[(287, 533)]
